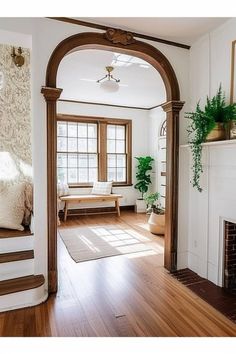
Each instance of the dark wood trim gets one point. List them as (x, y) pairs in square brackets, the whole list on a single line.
[(8, 233), (16, 256), (105, 28), (99, 210), (158, 105), (51, 95), (107, 104), (102, 157), (172, 107), (92, 119), (129, 153), (172, 110), (91, 186), (21, 284)]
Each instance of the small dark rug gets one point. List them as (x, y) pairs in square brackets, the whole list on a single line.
[(221, 299)]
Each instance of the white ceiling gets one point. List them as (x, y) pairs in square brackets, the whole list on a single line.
[(185, 30), (140, 84)]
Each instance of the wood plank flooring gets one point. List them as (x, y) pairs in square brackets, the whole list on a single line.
[(223, 300), (118, 296)]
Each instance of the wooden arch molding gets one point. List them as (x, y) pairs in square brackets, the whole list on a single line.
[(114, 40)]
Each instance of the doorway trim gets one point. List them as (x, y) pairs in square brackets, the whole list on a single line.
[(124, 42)]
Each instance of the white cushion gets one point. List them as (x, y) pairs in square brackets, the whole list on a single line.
[(12, 206), (102, 188), (62, 189)]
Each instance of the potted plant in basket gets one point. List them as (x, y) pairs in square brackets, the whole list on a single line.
[(156, 220), (143, 180), (209, 124)]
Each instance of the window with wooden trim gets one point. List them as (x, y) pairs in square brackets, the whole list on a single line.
[(93, 149), (116, 153)]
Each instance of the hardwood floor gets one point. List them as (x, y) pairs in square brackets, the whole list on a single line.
[(118, 296)]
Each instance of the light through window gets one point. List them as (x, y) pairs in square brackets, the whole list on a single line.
[(116, 153), (77, 152), (93, 149)]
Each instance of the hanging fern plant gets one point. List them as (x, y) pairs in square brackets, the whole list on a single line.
[(199, 127), (202, 122)]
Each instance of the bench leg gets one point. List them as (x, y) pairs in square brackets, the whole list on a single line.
[(65, 211), (117, 204)]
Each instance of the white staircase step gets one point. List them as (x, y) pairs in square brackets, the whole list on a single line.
[(11, 270), (22, 292), (14, 244)]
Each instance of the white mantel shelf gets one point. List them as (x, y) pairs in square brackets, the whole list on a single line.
[(214, 143)]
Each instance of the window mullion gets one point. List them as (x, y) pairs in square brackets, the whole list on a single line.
[(102, 160)]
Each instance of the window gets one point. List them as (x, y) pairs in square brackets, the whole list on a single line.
[(77, 157), (91, 149), (116, 153)]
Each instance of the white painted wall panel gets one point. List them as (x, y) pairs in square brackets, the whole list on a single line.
[(206, 211)]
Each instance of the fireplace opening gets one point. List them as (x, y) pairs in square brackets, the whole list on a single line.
[(230, 255)]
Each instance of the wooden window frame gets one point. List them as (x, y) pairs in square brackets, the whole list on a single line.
[(102, 123)]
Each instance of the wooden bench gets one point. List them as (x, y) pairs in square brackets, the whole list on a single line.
[(94, 198)]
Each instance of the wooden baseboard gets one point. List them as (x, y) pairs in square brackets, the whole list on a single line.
[(87, 211)]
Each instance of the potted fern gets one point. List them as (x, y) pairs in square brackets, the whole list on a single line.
[(143, 180), (209, 124), (156, 221)]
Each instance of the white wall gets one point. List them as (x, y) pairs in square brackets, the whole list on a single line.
[(156, 118), (140, 136), (200, 232), (210, 63), (46, 35), (179, 59), (15, 39)]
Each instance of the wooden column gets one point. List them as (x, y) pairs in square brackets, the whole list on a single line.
[(51, 96), (172, 109)]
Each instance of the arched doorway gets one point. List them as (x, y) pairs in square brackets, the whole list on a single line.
[(112, 40)]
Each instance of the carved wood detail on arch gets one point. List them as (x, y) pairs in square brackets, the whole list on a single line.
[(119, 36), (145, 51), (172, 107)]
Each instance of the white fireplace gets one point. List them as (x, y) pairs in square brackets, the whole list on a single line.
[(202, 215)]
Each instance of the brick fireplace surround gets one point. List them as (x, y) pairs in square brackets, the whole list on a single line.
[(230, 255)]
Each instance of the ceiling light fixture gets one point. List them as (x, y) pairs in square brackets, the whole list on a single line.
[(108, 83)]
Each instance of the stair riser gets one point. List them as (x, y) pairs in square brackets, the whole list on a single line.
[(17, 269), (22, 299), (16, 244)]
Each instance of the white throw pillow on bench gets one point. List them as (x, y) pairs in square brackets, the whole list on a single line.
[(62, 189), (102, 188)]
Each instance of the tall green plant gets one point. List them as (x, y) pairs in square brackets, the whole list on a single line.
[(201, 124), (142, 175)]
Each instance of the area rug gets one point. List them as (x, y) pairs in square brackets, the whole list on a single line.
[(94, 242)]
